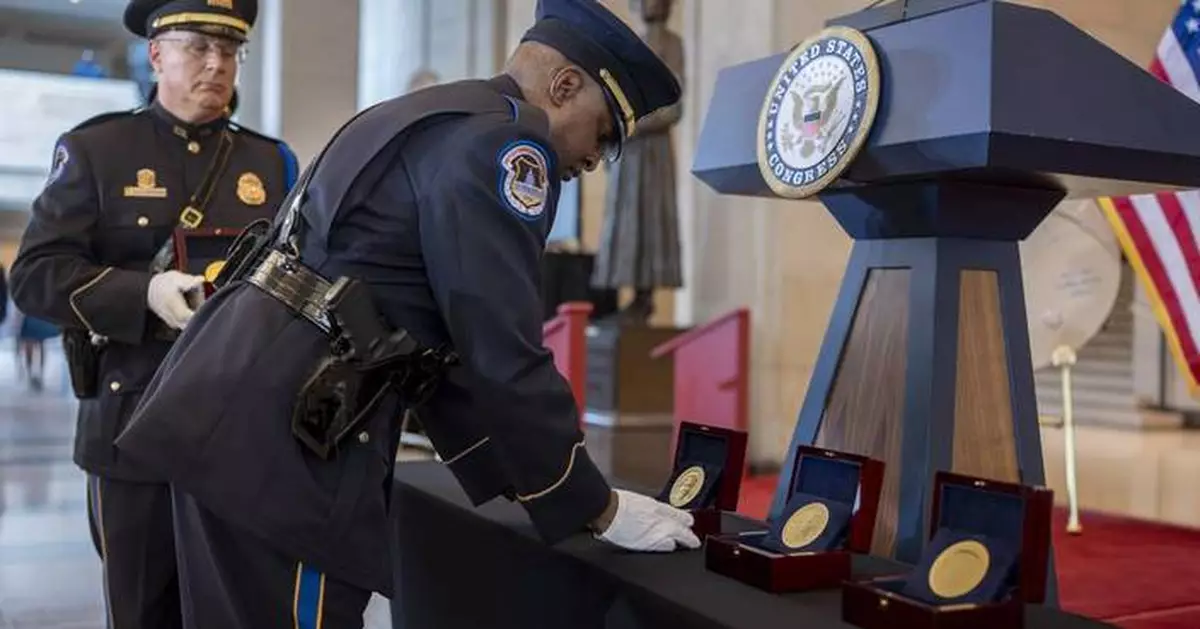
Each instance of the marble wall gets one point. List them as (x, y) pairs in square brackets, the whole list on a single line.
[(296, 64)]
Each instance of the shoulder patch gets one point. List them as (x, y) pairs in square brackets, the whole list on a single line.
[(59, 163), (524, 178)]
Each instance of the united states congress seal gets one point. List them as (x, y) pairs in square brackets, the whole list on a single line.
[(818, 112)]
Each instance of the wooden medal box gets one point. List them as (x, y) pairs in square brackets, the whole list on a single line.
[(721, 452), (828, 476), (199, 251), (1011, 521)]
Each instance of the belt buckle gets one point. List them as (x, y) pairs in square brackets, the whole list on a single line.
[(191, 217)]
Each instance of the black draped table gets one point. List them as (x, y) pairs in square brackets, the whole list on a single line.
[(458, 566)]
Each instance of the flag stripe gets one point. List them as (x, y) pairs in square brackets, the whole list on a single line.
[(1159, 215), (1185, 39), (1183, 228), (1156, 68), (1152, 261), (1190, 202), (1156, 275), (1179, 71), (1157, 304), (1158, 233)]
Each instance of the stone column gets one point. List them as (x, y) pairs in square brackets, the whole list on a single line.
[(250, 84), (391, 44), (309, 70)]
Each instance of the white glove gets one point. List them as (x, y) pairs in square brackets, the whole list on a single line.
[(173, 296), (643, 523)]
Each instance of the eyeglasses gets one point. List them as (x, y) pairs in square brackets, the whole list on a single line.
[(199, 46)]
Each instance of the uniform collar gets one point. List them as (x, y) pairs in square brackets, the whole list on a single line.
[(186, 130), (506, 85)]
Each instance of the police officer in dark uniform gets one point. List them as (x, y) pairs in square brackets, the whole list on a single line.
[(402, 272), (98, 259)]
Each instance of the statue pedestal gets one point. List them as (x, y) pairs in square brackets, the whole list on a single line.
[(623, 379), (630, 396)]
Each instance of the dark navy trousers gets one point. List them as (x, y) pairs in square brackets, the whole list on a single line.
[(132, 530), (233, 580)]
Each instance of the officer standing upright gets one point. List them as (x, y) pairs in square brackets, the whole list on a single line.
[(97, 259), (403, 272)]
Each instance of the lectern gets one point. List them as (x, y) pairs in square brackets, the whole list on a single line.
[(974, 119)]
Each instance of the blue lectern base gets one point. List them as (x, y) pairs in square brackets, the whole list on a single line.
[(925, 364)]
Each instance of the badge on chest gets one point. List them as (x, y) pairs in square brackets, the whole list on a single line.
[(146, 187), (250, 189)]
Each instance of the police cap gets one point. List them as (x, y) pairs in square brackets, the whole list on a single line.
[(232, 19), (635, 81)]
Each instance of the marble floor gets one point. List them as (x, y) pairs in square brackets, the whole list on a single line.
[(50, 574)]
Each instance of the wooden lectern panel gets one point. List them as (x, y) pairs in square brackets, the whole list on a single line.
[(899, 379), (864, 414), (983, 419)]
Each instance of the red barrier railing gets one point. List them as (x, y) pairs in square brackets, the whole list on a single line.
[(712, 373), (566, 337)]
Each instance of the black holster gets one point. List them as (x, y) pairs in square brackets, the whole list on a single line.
[(367, 361), (245, 252), (83, 362)]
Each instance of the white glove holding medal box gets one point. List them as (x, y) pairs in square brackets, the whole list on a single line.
[(706, 476)]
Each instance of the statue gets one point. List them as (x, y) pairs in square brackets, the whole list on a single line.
[(639, 245)]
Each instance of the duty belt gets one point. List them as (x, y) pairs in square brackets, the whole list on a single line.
[(298, 287)]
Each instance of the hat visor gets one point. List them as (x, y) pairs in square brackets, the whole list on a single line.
[(216, 30), (617, 147)]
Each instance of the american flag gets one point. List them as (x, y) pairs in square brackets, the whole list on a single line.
[(1158, 231)]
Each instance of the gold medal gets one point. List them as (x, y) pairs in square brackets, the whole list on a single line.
[(805, 525), (250, 189), (213, 270), (687, 486), (959, 569)]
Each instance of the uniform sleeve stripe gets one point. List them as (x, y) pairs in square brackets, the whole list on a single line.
[(559, 482), (82, 289), (308, 601), (469, 450)]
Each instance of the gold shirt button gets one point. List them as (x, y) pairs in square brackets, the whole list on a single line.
[(142, 221), (193, 147), (114, 386)]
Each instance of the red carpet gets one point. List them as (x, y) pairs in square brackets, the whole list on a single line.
[(1135, 574)]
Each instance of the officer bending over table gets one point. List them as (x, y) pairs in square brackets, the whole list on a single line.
[(402, 272), (98, 259)]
